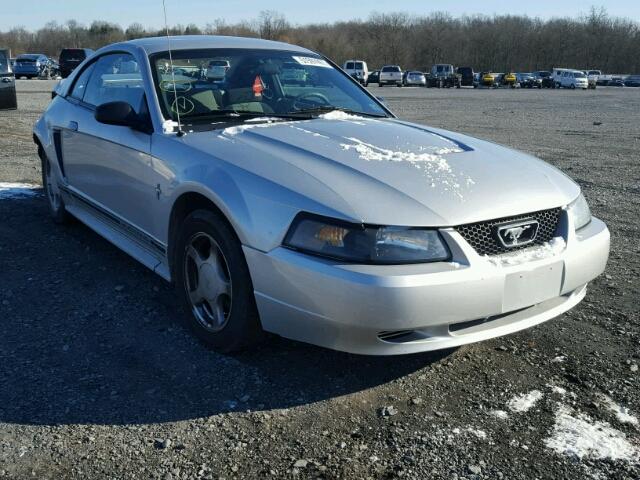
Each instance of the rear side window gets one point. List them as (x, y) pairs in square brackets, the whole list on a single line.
[(116, 78), (81, 83)]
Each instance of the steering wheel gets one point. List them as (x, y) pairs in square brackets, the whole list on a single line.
[(308, 98)]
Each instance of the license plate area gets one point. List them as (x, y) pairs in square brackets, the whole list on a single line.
[(530, 287)]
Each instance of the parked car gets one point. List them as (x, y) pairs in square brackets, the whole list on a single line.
[(443, 76), (528, 80), (32, 65), (8, 99), (545, 78), (217, 71), (466, 76), (374, 77), (616, 82), (592, 78), (310, 211), (567, 78), (477, 79), (390, 75), (357, 69), (70, 58), (414, 79), (597, 76), (632, 81), (489, 79), (509, 80)]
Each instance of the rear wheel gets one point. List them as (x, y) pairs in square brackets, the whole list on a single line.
[(214, 284), (57, 209)]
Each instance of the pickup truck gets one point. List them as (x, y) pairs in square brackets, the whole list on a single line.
[(390, 75)]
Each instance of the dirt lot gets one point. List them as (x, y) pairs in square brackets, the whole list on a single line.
[(98, 379)]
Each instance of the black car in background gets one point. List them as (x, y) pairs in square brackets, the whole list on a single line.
[(632, 81), (546, 79), (374, 77), (466, 76), (70, 58), (7, 82)]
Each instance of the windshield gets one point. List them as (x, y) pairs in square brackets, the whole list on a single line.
[(579, 75), (218, 82)]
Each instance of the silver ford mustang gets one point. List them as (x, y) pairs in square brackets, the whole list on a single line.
[(280, 196)]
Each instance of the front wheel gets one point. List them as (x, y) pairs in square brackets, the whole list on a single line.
[(213, 281), (55, 203)]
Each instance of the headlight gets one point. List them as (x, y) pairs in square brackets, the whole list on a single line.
[(365, 244), (579, 211)]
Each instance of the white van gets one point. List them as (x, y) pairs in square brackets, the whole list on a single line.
[(358, 70), (568, 78)]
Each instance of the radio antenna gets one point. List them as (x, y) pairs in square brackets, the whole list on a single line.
[(173, 75)]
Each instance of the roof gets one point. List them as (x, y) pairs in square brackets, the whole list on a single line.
[(184, 42)]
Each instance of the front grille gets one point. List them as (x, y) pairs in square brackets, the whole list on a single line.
[(482, 238)]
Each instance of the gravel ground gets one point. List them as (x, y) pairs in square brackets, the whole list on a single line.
[(98, 379)]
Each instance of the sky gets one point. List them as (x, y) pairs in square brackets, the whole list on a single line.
[(33, 14)]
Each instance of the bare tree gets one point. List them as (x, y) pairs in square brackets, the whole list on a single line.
[(498, 43)]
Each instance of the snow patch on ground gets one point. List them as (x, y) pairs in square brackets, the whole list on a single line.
[(431, 163), (559, 359), (546, 250), (577, 435), (500, 414), (526, 401), (622, 413), (17, 190), (558, 390), (481, 434)]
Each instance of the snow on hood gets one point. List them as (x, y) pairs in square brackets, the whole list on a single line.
[(385, 171), (431, 163)]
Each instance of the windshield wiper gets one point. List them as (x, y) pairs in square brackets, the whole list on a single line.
[(241, 115), (320, 109)]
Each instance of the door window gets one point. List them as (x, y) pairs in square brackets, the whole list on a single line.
[(81, 83), (116, 78)]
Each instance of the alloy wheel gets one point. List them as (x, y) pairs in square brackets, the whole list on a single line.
[(207, 282)]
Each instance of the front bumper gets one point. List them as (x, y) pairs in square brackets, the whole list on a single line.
[(388, 310)]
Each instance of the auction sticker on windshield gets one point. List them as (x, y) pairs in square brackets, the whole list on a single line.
[(312, 62)]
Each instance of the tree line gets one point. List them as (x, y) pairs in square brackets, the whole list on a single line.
[(500, 43)]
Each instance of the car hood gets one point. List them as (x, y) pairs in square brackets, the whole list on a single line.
[(385, 171)]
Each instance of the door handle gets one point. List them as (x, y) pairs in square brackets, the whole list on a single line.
[(73, 126)]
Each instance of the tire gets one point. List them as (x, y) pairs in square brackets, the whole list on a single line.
[(380, 85), (226, 318), (55, 202), (572, 86)]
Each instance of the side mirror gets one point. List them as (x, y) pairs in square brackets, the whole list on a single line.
[(121, 114)]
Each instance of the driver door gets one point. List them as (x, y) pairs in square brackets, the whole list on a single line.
[(110, 166)]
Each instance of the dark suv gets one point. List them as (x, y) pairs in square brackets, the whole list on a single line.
[(466, 76), (546, 79), (70, 58)]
